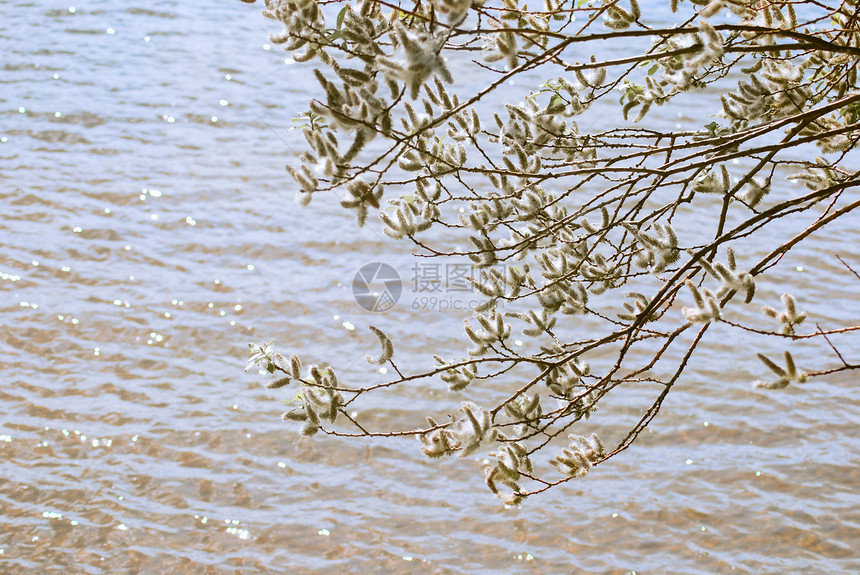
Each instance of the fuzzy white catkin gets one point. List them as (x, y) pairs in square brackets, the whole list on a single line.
[(387, 351)]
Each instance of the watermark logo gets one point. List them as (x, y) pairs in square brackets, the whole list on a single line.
[(377, 287), (434, 286)]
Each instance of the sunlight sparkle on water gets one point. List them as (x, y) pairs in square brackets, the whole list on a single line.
[(526, 557), (240, 533)]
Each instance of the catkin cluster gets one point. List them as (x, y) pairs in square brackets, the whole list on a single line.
[(590, 221)]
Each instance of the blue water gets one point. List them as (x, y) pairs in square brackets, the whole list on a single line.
[(149, 232)]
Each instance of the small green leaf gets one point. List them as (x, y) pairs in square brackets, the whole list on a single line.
[(340, 17), (329, 36), (653, 69)]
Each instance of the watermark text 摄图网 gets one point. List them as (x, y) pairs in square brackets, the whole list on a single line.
[(440, 287)]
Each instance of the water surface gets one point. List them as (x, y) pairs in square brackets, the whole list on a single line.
[(149, 232)]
